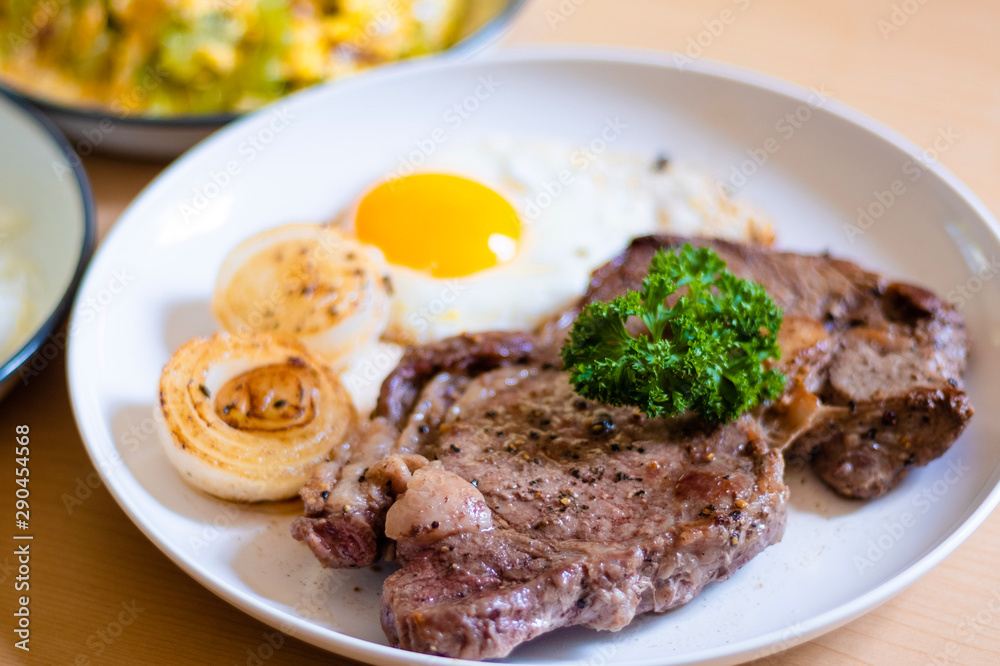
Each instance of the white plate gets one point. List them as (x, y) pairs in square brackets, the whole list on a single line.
[(317, 149)]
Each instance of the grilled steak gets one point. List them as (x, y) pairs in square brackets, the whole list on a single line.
[(577, 513), (874, 366), (542, 509), (596, 514)]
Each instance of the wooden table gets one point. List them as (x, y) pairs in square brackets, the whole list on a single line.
[(101, 593)]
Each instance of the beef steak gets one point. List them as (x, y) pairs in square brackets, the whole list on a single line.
[(592, 513), (597, 514), (542, 509), (874, 366)]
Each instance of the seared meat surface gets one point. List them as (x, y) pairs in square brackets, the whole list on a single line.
[(598, 514), (595, 513), (517, 507), (874, 367)]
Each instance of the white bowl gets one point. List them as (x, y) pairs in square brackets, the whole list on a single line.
[(41, 178), (837, 559)]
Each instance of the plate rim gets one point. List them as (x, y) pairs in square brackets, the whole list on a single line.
[(361, 649)]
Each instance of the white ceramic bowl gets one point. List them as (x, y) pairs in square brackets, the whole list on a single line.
[(42, 179), (837, 559), (161, 139)]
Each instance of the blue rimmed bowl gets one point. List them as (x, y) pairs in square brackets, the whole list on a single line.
[(43, 185)]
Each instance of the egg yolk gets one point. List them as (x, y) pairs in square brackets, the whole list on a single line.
[(447, 225)]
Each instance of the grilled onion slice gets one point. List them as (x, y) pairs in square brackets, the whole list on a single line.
[(309, 281), (249, 418)]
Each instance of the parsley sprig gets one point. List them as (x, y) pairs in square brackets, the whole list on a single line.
[(705, 353)]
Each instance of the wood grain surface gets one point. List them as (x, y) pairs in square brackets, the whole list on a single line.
[(103, 594)]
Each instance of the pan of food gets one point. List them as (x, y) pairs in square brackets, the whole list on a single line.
[(150, 79)]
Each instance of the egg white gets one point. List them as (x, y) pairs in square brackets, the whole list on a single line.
[(577, 211)]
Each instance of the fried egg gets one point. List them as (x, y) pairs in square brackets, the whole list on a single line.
[(502, 234), (493, 236)]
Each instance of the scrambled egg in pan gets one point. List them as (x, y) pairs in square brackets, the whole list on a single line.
[(170, 57)]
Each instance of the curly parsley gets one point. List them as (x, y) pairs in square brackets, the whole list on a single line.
[(705, 353)]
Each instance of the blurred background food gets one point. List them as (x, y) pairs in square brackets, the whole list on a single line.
[(198, 57)]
